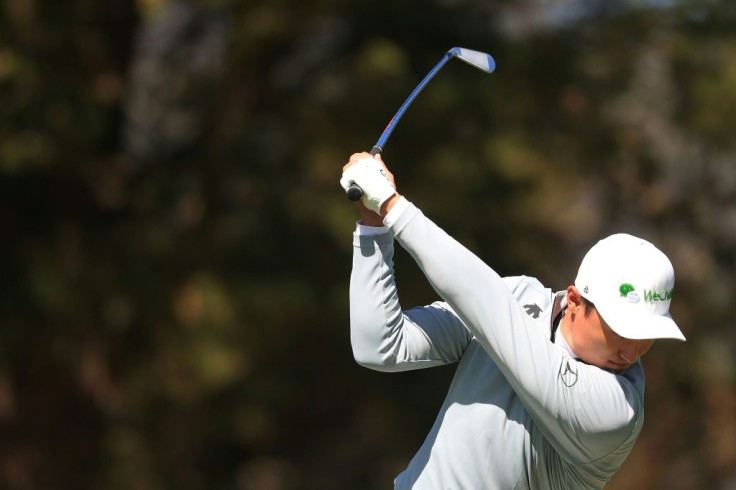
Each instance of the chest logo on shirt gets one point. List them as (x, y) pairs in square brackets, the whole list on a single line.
[(569, 374), (533, 310)]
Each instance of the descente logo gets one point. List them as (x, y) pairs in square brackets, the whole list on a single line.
[(652, 295)]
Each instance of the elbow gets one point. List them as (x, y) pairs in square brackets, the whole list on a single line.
[(374, 360), (376, 342)]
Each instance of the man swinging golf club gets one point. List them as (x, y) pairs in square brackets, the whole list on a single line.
[(549, 389)]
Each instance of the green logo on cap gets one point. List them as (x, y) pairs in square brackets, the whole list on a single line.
[(663, 295), (629, 292), (625, 289)]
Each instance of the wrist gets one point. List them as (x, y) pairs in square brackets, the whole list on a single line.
[(388, 204), (369, 218)]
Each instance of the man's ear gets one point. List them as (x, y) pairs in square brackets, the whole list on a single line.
[(574, 298)]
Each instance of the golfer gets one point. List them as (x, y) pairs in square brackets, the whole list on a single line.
[(549, 387)]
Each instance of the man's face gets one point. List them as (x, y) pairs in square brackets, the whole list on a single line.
[(594, 341)]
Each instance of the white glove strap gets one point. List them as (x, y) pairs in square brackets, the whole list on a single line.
[(368, 173)]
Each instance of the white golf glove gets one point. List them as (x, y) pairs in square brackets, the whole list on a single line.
[(368, 173)]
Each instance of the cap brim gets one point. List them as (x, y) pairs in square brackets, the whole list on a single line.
[(635, 325)]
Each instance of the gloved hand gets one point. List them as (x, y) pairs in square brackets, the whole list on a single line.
[(369, 174)]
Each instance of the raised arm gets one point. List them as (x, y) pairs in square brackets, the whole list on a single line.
[(383, 336)]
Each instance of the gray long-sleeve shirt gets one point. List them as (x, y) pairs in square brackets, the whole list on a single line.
[(521, 412)]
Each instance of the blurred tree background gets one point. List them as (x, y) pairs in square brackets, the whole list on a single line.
[(176, 249)]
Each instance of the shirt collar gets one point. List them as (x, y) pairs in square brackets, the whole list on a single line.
[(559, 305)]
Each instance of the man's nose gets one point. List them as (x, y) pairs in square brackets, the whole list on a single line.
[(628, 352)]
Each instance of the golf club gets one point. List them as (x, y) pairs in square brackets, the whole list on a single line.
[(480, 60)]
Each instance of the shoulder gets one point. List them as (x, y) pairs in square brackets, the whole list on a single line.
[(531, 294), (525, 285)]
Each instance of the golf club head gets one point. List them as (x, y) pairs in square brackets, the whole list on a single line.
[(478, 59)]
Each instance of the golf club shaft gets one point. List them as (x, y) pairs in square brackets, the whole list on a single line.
[(355, 192), (478, 59)]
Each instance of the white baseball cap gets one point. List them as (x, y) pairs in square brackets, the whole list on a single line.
[(630, 282)]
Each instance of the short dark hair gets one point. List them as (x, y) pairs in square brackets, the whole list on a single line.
[(588, 306)]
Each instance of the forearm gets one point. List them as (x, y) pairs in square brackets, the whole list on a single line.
[(474, 291), (374, 305), (383, 336)]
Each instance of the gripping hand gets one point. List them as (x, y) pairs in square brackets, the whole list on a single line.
[(369, 174)]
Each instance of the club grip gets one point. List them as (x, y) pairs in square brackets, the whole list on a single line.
[(354, 192)]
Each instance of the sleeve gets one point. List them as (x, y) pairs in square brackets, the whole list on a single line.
[(584, 420), (384, 337)]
